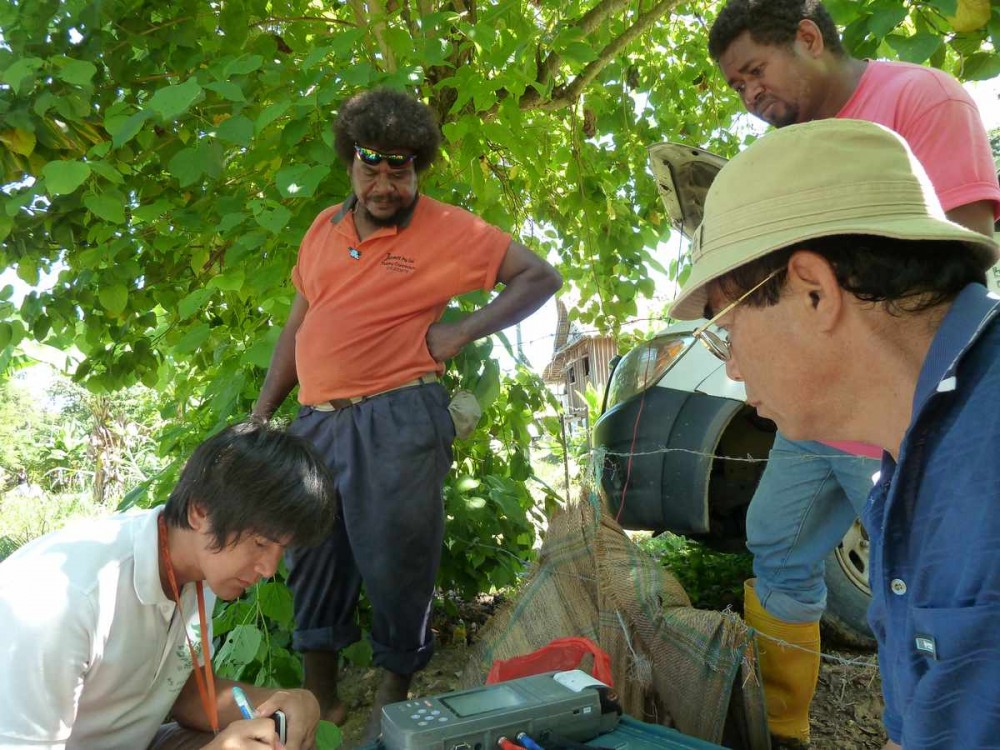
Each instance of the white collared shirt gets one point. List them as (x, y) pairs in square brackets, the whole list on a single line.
[(91, 655)]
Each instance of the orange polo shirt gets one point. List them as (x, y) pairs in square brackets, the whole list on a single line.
[(371, 302)]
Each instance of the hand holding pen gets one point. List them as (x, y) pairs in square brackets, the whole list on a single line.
[(255, 733)]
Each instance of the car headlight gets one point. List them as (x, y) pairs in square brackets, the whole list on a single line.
[(644, 365)]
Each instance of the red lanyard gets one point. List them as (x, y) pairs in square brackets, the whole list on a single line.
[(206, 682)]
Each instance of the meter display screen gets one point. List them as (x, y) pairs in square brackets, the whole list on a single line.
[(481, 701)]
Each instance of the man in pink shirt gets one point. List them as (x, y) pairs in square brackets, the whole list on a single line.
[(786, 61)]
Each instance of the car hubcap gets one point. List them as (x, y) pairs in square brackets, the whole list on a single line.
[(852, 554)]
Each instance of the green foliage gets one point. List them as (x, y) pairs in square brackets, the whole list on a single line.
[(254, 635), (713, 580), (490, 514), (328, 736), (20, 417), (918, 31)]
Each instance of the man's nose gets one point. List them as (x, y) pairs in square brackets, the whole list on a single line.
[(382, 179), (267, 565), (733, 370), (751, 92)]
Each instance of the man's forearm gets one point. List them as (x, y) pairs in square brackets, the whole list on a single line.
[(280, 379), (282, 375), (976, 216), (523, 294), (189, 711)]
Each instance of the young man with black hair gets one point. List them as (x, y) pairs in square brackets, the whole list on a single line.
[(106, 623), (852, 309), (786, 61), (365, 345)]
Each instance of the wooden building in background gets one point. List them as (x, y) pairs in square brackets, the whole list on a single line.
[(577, 360)]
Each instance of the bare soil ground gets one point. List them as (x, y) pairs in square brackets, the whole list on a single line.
[(846, 712)]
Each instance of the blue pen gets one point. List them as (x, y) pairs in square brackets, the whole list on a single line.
[(529, 743), (244, 704)]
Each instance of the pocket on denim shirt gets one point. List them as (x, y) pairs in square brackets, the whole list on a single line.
[(955, 695)]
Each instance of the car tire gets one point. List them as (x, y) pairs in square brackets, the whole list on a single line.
[(847, 591)]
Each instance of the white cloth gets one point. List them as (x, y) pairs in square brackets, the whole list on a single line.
[(91, 654)]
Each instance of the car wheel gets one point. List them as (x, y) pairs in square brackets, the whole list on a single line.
[(847, 591)]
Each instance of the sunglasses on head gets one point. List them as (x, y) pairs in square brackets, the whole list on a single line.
[(373, 158)]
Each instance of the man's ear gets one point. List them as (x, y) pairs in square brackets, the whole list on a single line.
[(809, 38), (813, 281), (197, 517)]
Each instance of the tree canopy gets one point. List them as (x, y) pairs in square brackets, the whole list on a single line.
[(164, 159)]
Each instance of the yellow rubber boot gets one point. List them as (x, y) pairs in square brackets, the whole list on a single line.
[(789, 672)]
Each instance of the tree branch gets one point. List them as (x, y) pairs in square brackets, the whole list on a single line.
[(291, 19), (563, 96), (591, 20), (378, 28)]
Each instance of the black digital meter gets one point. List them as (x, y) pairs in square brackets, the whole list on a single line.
[(566, 704)]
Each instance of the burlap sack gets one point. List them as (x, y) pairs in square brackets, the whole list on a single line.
[(690, 669)]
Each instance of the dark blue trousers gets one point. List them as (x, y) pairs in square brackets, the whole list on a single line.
[(389, 456)]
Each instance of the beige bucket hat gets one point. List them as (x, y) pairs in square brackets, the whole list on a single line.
[(818, 179)]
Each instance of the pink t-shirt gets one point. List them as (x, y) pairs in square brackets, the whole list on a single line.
[(856, 448), (939, 120), (942, 125)]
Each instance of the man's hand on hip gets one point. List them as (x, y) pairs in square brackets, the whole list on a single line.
[(445, 340)]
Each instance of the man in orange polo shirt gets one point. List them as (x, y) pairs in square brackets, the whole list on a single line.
[(365, 345)]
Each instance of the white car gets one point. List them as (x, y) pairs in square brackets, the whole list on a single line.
[(683, 450)]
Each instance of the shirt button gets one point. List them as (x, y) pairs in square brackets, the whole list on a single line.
[(898, 586)]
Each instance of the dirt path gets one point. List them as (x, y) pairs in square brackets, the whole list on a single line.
[(846, 713)]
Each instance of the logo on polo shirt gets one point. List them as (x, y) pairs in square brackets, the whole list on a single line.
[(398, 263)]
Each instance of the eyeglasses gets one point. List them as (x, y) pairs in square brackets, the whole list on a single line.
[(719, 345), (373, 158)]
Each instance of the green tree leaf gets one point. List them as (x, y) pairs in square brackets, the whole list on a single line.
[(916, 48), (108, 206), (76, 72), (114, 298), (301, 180), (328, 736), (274, 220), (173, 101), (19, 141), (124, 129), (276, 602), (240, 648), (187, 166), (982, 66), (945, 7), (21, 71), (885, 20), (193, 339), (193, 302), (230, 281), (242, 65), (237, 130), (63, 177)]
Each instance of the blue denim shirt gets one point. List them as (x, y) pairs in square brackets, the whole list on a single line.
[(934, 521)]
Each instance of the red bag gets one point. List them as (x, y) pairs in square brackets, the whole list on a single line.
[(560, 655)]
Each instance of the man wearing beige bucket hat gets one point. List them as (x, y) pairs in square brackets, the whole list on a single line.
[(786, 61), (852, 309)]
